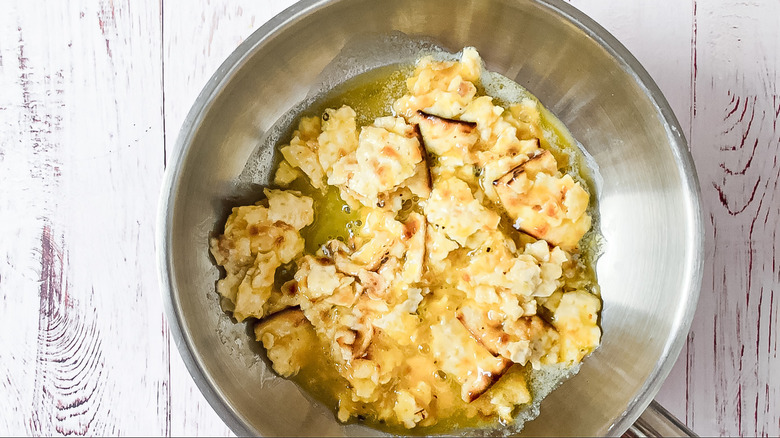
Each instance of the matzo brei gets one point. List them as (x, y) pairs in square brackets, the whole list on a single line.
[(454, 273)]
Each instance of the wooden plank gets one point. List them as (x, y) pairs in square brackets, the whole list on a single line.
[(733, 382), (197, 37), (81, 115), (659, 34), (20, 208)]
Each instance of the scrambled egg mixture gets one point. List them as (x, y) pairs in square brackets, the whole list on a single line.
[(461, 269)]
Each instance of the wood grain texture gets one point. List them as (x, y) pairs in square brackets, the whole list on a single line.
[(92, 95), (733, 381), (81, 155)]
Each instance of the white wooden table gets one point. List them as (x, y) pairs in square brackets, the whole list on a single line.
[(92, 95)]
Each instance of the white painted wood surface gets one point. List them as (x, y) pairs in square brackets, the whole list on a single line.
[(91, 98)]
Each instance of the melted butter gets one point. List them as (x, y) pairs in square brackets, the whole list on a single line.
[(333, 219), (371, 95), (449, 411), (320, 377)]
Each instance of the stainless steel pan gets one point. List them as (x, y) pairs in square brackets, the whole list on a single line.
[(648, 195)]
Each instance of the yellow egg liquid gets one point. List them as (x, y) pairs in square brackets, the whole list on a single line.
[(371, 96)]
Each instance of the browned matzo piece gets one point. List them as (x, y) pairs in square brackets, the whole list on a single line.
[(544, 204)]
